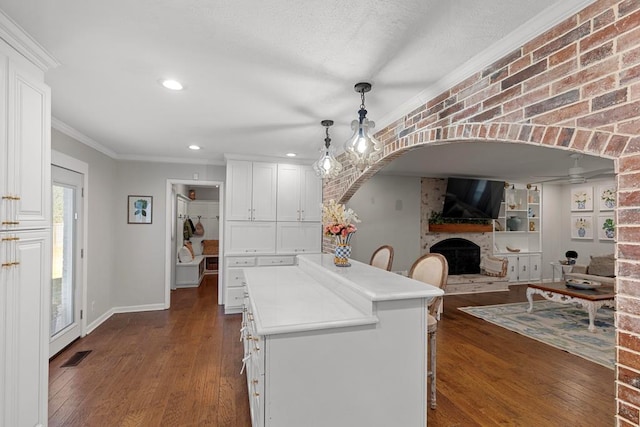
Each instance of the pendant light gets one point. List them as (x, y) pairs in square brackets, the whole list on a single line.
[(327, 166), (362, 146)]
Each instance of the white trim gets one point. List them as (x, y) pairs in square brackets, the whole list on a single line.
[(64, 161), (26, 45), (288, 160), (169, 264), (126, 309), (61, 126), (180, 160), (526, 32)]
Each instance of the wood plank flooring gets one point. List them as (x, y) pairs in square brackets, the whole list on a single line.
[(181, 367)]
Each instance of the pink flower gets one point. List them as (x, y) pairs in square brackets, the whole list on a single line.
[(335, 229)]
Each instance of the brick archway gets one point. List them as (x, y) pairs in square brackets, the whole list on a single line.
[(604, 144), (574, 87)]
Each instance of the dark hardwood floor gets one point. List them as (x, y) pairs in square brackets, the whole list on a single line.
[(181, 367)]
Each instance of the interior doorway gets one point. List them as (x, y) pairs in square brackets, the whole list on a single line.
[(207, 199)]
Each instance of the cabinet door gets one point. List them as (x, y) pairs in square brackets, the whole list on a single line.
[(239, 186), (524, 273), (535, 267), (249, 238), (310, 195), (513, 269), (299, 237), (29, 149), (26, 309), (288, 193), (265, 177)]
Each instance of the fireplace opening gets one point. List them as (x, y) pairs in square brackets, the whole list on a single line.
[(462, 255)]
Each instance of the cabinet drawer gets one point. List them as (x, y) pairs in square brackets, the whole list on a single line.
[(235, 297), (235, 277), (277, 260), (241, 261)]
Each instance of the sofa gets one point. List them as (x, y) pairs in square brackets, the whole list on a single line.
[(601, 269)]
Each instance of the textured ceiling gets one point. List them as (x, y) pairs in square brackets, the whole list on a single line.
[(260, 75)]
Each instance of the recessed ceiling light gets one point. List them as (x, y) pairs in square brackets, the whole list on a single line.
[(291, 154), (194, 147), (172, 84)]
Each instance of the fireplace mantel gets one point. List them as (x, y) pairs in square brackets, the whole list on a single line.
[(460, 228)]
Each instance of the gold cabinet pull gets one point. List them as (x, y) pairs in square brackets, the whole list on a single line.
[(7, 264)]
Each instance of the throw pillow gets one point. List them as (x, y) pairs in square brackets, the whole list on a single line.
[(602, 265), (184, 255), (189, 246)]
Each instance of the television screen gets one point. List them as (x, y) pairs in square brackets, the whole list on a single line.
[(472, 198)]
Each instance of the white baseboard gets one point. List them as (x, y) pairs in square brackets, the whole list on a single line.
[(127, 309)]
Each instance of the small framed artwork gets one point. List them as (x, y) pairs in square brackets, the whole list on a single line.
[(582, 199), (139, 209), (606, 227), (581, 227), (607, 199)]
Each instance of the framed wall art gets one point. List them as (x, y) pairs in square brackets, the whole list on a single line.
[(582, 199), (607, 199), (581, 226), (606, 227), (139, 209)]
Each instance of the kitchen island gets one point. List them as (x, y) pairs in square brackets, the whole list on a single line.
[(335, 346)]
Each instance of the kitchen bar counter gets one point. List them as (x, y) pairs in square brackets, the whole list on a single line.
[(338, 346)]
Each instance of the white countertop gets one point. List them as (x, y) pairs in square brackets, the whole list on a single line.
[(318, 295)]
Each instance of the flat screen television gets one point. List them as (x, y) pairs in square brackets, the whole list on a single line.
[(472, 198)]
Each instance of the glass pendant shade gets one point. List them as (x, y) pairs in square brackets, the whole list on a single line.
[(327, 166), (362, 147)]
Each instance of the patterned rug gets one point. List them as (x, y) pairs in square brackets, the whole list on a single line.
[(563, 326)]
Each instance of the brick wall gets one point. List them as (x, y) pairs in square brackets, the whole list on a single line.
[(575, 87)]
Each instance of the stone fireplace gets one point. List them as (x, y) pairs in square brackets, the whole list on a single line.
[(462, 255)]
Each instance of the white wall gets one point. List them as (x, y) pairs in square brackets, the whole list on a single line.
[(125, 265), (140, 255), (389, 207), (557, 223)]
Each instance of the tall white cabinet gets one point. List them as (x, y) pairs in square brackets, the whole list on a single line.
[(25, 240), (273, 211)]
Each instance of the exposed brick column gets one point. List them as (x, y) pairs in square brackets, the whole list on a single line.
[(575, 87)]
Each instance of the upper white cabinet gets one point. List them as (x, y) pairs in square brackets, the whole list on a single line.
[(299, 193), (25, 239), (251, 191), (25, 135)]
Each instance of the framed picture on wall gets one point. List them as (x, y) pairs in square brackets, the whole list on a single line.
[(607, 199), (139, 209), (581, 226), (606, 227), (582, 198)]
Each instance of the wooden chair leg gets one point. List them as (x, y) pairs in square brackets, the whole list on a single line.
[(432, 373)]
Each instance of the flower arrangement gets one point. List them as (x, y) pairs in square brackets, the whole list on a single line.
[(580, 197), (608, 196), (338, 221), (582, 223)]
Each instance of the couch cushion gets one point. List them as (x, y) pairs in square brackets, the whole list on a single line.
[(602, 265)]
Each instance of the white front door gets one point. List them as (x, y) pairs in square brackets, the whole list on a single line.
[(66, 297)]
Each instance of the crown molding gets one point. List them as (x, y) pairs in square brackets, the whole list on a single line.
[(537, 25), (180, 160), (271, 159), (59, 125), (26, 45)]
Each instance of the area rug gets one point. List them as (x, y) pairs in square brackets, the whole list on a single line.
[(563, 326)]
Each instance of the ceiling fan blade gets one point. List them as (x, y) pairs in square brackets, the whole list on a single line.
[(599, 172)]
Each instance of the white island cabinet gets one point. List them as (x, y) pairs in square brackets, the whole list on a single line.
[(330, 346)]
